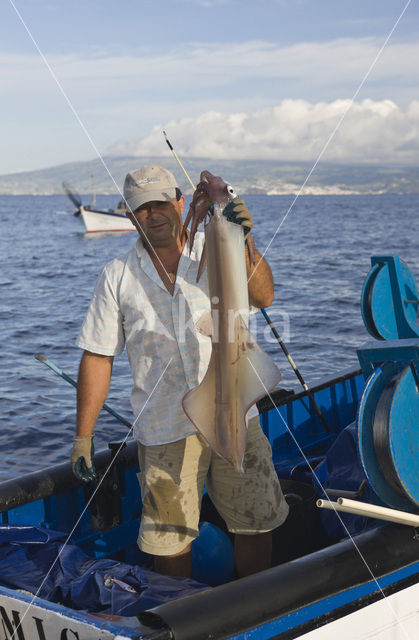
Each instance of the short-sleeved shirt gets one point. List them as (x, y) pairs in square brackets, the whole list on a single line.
[(132, 308)]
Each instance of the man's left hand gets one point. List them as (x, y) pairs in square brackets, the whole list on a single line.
[(237, 211), (82, 458)]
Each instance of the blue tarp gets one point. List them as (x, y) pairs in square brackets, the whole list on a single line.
[(38, 560), (340, 469)]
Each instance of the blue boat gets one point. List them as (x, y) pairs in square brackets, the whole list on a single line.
[(334, 574)]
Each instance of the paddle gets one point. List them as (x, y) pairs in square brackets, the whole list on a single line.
[(74, 197)]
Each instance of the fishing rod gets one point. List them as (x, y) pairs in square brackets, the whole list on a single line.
[(296, 371), (267, 318), (178, 161), (67, 378)]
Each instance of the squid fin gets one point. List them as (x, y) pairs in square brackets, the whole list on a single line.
[(205, 325), (223, 425)]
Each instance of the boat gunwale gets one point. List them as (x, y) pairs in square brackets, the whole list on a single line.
[(281, 398), (58, 478), (260, 599)]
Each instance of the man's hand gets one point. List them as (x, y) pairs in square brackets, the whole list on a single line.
[(236, 211), (82, 458)]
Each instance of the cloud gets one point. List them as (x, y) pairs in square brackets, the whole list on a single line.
[(209, 65), (126, 93), (294, 130)]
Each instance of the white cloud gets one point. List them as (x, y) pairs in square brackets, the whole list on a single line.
[(208, 65), (295, 130), (125, 95)]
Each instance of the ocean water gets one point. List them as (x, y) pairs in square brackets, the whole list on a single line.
[(319, 258)]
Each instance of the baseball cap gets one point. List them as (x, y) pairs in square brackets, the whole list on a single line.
[(149, 183)]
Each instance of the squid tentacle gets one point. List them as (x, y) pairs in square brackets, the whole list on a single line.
[(198, 211), (210, 190)]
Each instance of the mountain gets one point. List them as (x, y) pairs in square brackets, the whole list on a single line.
[(247, 176)]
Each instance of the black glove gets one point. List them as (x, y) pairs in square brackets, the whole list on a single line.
[(237, 211), (82, 458)]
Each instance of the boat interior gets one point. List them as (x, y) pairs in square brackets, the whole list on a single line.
[(88, 533)]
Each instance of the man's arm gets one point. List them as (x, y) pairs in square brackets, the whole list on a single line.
[(260, 281), (92, 388), (259, 275)]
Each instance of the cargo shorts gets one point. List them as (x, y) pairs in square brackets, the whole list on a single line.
[(172, 480)]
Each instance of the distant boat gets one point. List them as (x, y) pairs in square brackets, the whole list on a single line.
[(98, 220)]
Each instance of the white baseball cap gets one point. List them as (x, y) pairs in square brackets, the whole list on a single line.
[(147, 184)]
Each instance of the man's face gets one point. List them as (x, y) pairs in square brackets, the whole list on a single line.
[(160, 222)]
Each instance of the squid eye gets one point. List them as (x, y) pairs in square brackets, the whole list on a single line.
[(231, 191)]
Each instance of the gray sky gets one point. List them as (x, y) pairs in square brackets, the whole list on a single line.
[(226, 78)]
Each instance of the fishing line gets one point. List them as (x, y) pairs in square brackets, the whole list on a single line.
[(79, 120), (397, 619), (91, 498), (332, 135)]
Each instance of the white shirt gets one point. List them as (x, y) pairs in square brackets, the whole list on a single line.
[(131, 307)]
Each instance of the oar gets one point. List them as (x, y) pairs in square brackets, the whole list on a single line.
[(74, 197), (296, 371), (67, 378)]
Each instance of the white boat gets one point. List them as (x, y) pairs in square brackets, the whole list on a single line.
[(98, 221)]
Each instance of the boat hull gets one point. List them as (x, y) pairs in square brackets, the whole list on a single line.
[(24, 617), (393, 617), (296, 599), (97, 221)]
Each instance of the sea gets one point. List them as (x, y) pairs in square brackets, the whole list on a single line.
[(319, 249)]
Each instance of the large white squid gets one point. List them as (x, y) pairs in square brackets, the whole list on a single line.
[(239, 371)]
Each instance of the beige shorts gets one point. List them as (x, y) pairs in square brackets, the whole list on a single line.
[(172, 480)]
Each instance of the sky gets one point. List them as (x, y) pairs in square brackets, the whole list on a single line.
[(270, 79)]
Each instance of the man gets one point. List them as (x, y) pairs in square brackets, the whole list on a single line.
[(148, 301)]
